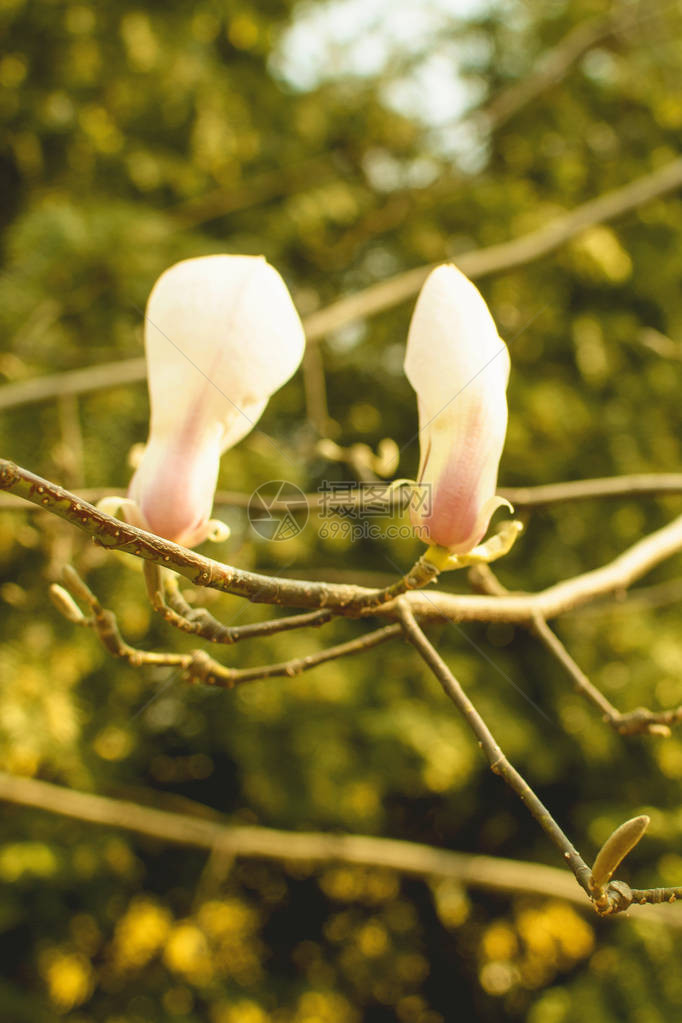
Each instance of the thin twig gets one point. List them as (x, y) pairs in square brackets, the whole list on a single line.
[(199, 622), (654, 896), (494, 755), (636, 722), (652, 484), (104, 623), (198, 666), (204, 669), (421, 574)]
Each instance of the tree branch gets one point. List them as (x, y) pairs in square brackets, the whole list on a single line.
[(651, 484), (344, 599), (641, 599), (74, 381), (103, 622), (377, 297), (474, 871)]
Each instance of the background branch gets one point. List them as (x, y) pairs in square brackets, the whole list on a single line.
[(74, 381), (651, 484), (374, 299), (551, 67), (497, 258), (648, 484), (486, 872)]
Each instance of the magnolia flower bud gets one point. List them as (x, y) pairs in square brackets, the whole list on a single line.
[(459, 367), (221, 336)]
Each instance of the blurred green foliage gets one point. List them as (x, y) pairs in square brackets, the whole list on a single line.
[(135, 135)]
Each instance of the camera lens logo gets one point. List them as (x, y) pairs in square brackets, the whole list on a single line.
[(278, 510)]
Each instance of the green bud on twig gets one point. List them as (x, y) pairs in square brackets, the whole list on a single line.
[(615, 849)]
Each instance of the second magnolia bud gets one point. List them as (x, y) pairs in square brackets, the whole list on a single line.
[(459, 368)]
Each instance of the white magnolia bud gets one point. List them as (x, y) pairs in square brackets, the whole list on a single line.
[(221, 336), (459, 367)]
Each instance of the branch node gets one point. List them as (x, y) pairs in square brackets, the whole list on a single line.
[(201, 670), (616, 898)]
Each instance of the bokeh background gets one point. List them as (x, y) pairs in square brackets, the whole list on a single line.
[(346, 141)]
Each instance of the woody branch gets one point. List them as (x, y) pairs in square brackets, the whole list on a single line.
[(607, 896), (343, 599)]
